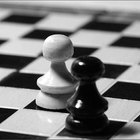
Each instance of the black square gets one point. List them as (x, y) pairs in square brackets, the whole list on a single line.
[(113, 71), (5, 113), (23, 18), (124, 90), (105, 26), (137, 119), (11, 61), (107, 133), (79, 51), (12, 135), (21, 80), (2, 41), (33, 106), (129, 42), (43, 34)]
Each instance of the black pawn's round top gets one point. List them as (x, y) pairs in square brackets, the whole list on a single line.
[(87, 68)]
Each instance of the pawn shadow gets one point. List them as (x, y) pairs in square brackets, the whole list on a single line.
[(127, 131), (107, 133)]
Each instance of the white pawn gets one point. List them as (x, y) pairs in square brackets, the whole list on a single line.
[(57, 85)]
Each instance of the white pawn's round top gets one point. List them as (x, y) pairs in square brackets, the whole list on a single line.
[(57, 48)]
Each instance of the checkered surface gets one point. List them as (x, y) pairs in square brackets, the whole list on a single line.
[(113, 37)]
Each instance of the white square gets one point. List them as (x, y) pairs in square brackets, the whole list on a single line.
[(5, 72), (131, 75), (115, 17), (22, 47), (103, 84), (122, 110), (12, 30), (16, 98), (35, 122), (4, 13), (133, 30), (41, 66), (63, 22), (130, 131), (92, 38), (118, 55)]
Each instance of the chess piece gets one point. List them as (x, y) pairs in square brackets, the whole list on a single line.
[(87, 106), (57, 85)]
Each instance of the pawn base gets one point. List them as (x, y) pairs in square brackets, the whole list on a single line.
[(52, 101), (86, 126)]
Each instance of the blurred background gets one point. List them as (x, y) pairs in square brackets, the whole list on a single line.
[(109, 5)]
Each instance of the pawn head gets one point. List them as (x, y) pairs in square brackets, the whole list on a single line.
[(87, 68), (57, 48)]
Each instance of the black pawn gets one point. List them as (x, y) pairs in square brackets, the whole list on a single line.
[(87, 106)]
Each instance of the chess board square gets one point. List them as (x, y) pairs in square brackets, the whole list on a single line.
[(131, 75), (137, 119), (33, 67), (9, 135), (110, 130), (118, 55), (119, 18), (21, 80), (33, 105), (22, 47), (122, 110), (11, 61), (103, 84), (34, 122), (126, 41), (133, 29), (43, 34), (2, 41), (93, 38), (129, 131), (4, 72), (5, 113), (4, 13), (23, 18), (12, 31), (16, 98), (65, 22), (80, 51), (43, 66), (133, 16), (124, 90), (113, 71), (105, 26)]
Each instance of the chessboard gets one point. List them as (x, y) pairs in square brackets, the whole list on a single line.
[(112, 36)]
